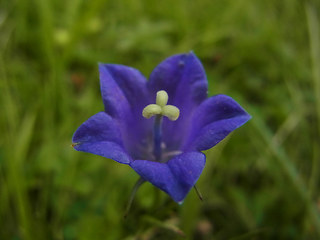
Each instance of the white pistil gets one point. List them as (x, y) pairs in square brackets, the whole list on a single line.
[(151, 110), (161, 108), (171, 112), (162, 98)]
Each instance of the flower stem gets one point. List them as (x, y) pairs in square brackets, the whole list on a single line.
[(133, 193), (157, 138)]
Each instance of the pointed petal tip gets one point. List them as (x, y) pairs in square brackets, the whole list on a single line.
[(74, 144), (191, 52), (102, 66), (180, 202), (99, 135)]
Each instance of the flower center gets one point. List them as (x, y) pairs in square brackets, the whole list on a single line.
[(159, 110)]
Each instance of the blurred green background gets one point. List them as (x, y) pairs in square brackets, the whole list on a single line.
[(260, 183)]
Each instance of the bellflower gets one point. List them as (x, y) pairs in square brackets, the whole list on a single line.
[(159, 127)]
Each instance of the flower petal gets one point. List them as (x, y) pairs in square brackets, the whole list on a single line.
[(214, 119), (100, 135), (183, 78), (125, 94), (123, 90), (176, 177)]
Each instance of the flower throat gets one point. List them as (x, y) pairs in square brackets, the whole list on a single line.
[(159, 110)]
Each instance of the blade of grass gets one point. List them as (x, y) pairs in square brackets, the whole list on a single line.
[(164, 225), (15, 175), (288, 169), (314, 41)]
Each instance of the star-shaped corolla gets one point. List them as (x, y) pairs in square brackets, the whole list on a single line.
[(121, 132)]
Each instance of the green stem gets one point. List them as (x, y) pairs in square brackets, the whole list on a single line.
[(133, 193)]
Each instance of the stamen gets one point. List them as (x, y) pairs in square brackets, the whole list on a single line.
[(171, 154)]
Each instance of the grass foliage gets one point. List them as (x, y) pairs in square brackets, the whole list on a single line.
[(260, 183)]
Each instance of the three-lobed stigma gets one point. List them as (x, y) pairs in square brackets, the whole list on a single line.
[(161, 108)]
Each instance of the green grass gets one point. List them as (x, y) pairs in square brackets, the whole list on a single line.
[(260, 183)]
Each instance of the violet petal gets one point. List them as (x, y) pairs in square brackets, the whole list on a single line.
[(124, 95), (176, 177), (100, 135), (214, 119), (182, 76)]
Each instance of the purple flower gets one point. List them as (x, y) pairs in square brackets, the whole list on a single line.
[(164, 152)]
